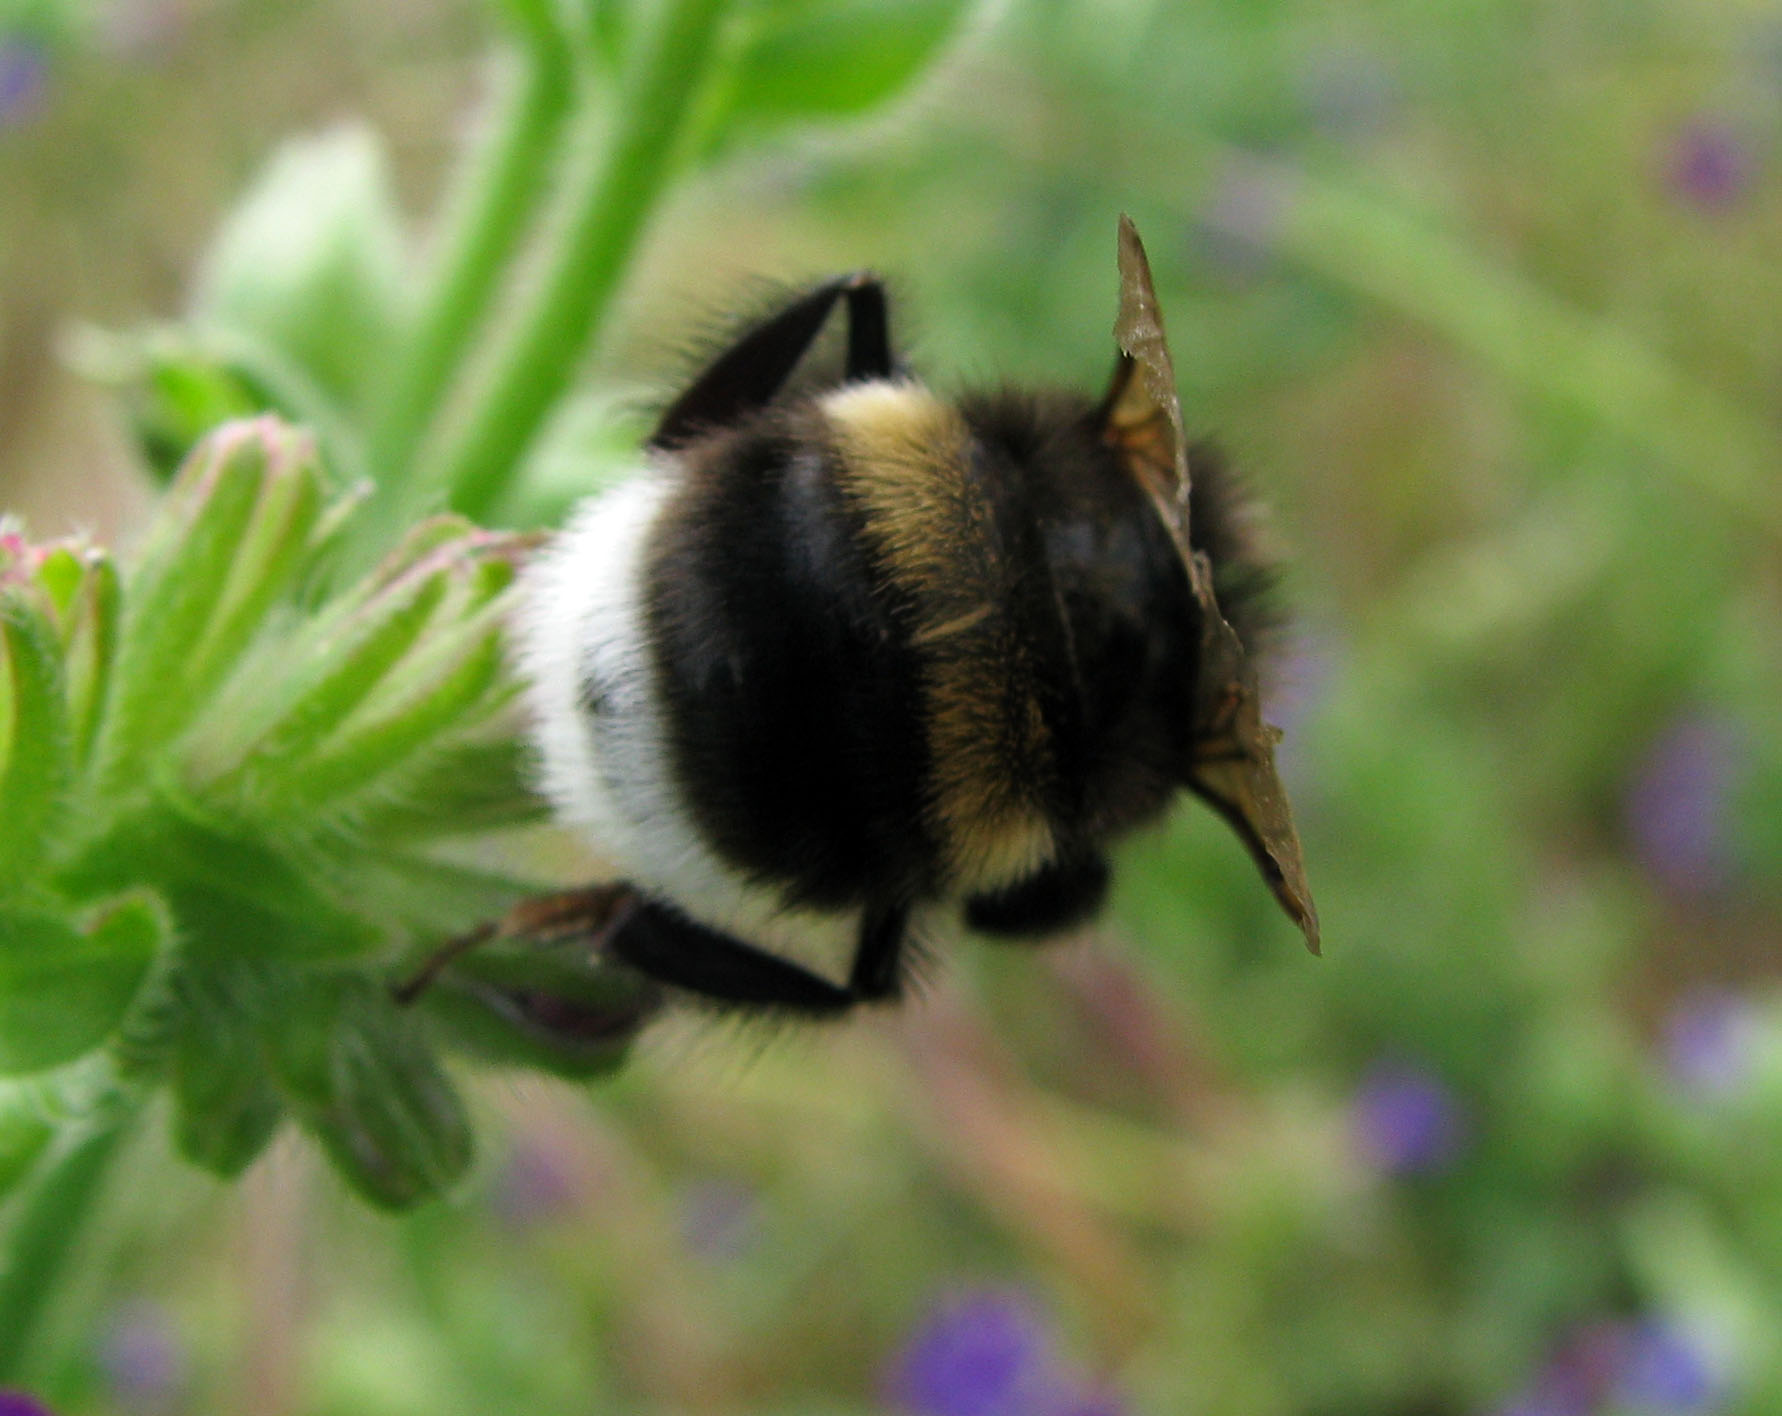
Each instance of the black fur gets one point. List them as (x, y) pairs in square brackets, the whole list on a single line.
[(749, 373), (1064, 894), (658, 940), (792, 691), (878, 962), (1115, 631)]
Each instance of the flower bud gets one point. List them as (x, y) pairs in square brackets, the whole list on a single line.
[(377, 687), (229, 541), (359, 1075), (226, 1107)]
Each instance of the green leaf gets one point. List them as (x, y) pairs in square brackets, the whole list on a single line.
[(61, 1194), (24, 1135), (179, 400), (178, 589), (415, 894), (811, 63), (226, 1107), (266, 560), (471, 786), (60, 573), (310, 262), (38, 754), (376, 638), (91, 652), (234, 889), (233, 542), (63, 990), (359, 1075), (181, 383), (360, 758)]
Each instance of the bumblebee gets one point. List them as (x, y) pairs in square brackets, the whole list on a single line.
[(846, 651)]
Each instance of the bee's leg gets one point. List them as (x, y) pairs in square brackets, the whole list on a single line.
[(751, 371), (1063, 894), (869, 330), (667, 946), (878, 957)]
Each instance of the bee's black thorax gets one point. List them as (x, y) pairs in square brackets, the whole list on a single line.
[(790, 691), (1114, 631), (907, 647)]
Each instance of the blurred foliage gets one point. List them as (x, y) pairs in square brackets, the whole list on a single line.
[(1480, 293), (224, 793)]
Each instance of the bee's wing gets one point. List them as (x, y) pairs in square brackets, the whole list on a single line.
[(1235, 767)]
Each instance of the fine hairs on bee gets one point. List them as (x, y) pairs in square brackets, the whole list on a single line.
[(847, 653)]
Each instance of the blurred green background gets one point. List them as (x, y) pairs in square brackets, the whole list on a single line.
[(1484, 296)]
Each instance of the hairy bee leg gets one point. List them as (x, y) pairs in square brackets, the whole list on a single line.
[(751, 371), (670, 948), (1061, 895), (586, 913), (878, 957)]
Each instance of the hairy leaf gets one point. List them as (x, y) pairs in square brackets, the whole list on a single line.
[(38, 752), (359, 1075), (64, 990)]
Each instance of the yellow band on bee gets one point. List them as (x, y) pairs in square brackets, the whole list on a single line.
[(907, 465)]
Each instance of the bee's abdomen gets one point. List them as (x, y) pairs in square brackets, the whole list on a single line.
[(789, 686), (982, 625)]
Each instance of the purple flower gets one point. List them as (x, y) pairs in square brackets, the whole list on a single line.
[(1407, 1121), (1709, 1039), (536, 1183), (17, 1403), (24, 78), (1578, 1377), (1647, 1365), (719, 1219), (1711, 166), (1676, 806), (142, 1357), (1238, 228), (1665, 1369), (1348, 91), (1298, 692), (980, 1353), (990, 1352)]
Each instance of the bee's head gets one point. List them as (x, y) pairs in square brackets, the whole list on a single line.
[(1159, 612), (1131, 636)]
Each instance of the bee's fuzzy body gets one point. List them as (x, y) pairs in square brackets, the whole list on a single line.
[(864, 648), (836, 657)]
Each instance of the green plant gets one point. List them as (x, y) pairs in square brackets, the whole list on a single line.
[(232, 773)]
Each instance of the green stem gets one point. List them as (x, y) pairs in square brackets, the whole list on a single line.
[(1536, 342), (587, 256), (497, 198), (43, 1234)]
